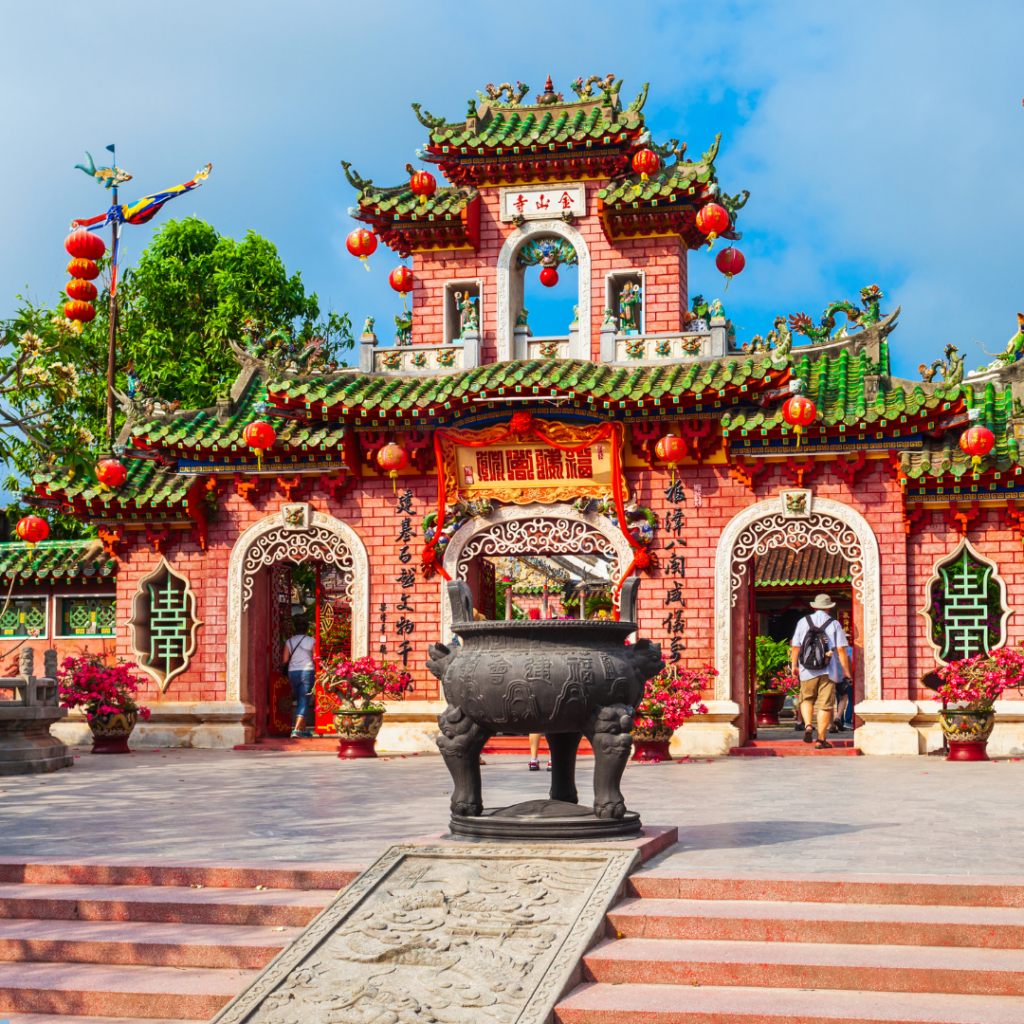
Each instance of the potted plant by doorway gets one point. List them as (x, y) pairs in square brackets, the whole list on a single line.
[(969, 690), (356, 685), (107, 694), (772, 685), (670, 698)]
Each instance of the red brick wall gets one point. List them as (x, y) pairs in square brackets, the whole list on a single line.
[(993, 540), (662, 258)]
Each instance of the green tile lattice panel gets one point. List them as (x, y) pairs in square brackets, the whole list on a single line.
[(169, 624), (88, 616), (24, 617)]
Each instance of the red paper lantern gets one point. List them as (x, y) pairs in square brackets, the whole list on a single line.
[(391, 458), (977, 441), (671, 449), (85, 291), (712, 220), (81, 311), (111, 473), (646, 162), (83, 269), (84, 244), (423, 184), (730, 262), (549, 277), (799, 412), (362, 243), (32, 530), (400, 280), (259, 435)]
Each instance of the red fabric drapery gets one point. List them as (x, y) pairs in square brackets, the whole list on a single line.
[(523, 423)]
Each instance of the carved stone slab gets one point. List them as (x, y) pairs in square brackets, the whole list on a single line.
[(442, 935)]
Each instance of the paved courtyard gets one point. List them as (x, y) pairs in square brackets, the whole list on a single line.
[(906, 815)]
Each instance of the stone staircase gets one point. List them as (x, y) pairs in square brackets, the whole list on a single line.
[(97, 943), (691, 948), (795, 748)]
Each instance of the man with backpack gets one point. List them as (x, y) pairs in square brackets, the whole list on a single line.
[(819, 655)]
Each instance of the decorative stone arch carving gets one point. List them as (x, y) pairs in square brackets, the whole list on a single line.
[(826, 524), (945, 561), (507, 280), (515, 529), (316, 536)]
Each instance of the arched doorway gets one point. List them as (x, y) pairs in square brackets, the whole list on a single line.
[(796, 519), (295, 533), (510, 282), (513, 529)]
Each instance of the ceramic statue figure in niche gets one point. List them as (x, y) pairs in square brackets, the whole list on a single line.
[(465, 304), (521, 318), (629, 308)]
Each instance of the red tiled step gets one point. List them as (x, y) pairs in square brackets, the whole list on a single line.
[(956, 971), (285, 744), (50, 1018), (288, 907), (239, 875), (687, 1004), (794, 748), (142, 943), (118, 991), (521, 745), (921, 890), (762, 921)]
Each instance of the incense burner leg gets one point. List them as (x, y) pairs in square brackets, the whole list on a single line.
[(460, 743), (562, 746), (608, 730)]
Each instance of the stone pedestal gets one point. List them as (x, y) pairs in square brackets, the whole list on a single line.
[(608, 335), (710, 735), (887, 729), (520, 334), (28, 707), (367, 343)]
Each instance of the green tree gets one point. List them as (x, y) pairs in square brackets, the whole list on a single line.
[(191, 291)]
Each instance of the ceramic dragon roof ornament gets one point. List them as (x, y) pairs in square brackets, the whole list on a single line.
[(871, 297)]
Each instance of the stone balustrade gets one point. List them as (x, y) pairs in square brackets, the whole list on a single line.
[(668, 347), (28, 707), (418, 360)]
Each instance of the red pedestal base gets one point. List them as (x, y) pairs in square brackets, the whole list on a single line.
[(357, 748), (651, 750), (968, 750), (110, 745)]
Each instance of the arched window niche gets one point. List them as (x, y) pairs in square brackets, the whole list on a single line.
[(965, 605), (529, 241)]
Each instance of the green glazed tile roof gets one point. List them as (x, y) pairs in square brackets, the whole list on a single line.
[(677, 177), (401, 203), (608, 383), (53, 559), (149, 485), (201, 434), (537, 126)]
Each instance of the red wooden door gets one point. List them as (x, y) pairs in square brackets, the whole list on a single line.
[(333, 637)]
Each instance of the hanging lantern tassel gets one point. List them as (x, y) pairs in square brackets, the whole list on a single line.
[(730, 262), (391, 458), (671, 449), (799, 412)]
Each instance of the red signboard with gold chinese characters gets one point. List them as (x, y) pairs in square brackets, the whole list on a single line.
[(524, 467)]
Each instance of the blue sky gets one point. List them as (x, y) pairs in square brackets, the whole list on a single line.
[(882, 143)]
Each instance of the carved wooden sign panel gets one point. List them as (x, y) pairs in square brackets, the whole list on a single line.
[(483, 935)]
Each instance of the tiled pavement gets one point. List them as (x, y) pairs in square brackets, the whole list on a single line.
[(905, 815)]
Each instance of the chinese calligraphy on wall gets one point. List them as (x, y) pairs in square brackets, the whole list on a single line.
[(551, 201)]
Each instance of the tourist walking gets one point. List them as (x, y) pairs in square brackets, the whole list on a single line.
[(297, 656), (819, 654)]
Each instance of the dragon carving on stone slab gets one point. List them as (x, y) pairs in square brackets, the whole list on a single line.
[(871, 297)]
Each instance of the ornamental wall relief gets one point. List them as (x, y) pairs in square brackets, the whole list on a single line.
[(797, 519), (296, 533)]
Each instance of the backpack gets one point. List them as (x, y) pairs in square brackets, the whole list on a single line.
[(815, 652)]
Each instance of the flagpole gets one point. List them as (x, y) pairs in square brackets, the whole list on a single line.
[(111, 359)]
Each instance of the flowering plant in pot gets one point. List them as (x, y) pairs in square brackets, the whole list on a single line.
[(772, 671), (970, 687), (356, 687), (107, 694), (670, 698)]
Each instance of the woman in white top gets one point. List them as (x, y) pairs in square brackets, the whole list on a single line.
[(297, 656)]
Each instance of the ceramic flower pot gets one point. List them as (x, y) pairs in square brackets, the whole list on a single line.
[(967, 733), (357, 731), (771, 703), (651, 744), (110, 732)]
